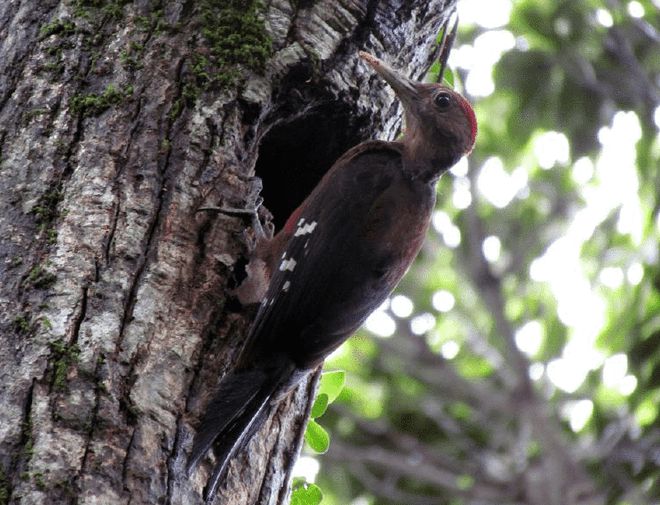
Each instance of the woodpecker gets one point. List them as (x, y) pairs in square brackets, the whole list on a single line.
[(339, 255)]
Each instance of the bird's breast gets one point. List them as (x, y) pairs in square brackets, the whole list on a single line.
[(396, 227)]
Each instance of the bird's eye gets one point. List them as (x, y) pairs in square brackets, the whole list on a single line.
[(442, 101)]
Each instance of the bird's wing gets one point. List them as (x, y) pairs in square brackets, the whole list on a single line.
[(326, 283)]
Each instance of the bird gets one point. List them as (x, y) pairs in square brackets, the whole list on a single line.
[(337, 258)]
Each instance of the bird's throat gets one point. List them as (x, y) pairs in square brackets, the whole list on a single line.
[(426, 160)]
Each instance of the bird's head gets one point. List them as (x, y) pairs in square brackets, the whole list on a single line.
[(440, 123)]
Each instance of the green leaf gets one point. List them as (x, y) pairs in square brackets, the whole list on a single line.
[(307, 494), (646, 412), (320, 405), (448, 78), (432, 74), (465, 482), (316, 437), (331, 384)]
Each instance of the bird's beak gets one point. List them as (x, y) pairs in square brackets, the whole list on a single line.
[(405, 88)]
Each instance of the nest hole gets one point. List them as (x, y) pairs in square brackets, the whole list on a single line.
[(295, 154)]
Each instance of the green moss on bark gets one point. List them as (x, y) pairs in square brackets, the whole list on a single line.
[(64, 356), (93, 104), (234, 39)]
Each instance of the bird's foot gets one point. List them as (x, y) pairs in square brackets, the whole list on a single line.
[(251, 214)]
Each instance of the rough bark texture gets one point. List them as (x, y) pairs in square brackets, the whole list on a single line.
[(116, 316)]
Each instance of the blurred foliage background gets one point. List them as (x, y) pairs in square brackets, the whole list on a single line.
[(519, 360)]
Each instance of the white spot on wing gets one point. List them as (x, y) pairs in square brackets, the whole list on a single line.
[(304, 230), (289, 265), (286, 286), (302, 220)]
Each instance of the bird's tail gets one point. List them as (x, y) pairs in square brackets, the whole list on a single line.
[(234, 415)]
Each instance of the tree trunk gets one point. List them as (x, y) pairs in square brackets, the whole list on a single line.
[(118, 121)]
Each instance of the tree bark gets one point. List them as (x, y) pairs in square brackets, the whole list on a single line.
[(117, 316)]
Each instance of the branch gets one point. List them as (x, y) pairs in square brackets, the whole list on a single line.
[(562, 474), (385, 488), (411, 447), (441, 377), (405, 467)]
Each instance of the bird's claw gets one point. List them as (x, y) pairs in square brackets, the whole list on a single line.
[(251, 214)]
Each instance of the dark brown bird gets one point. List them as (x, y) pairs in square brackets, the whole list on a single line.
[(338, 257)]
